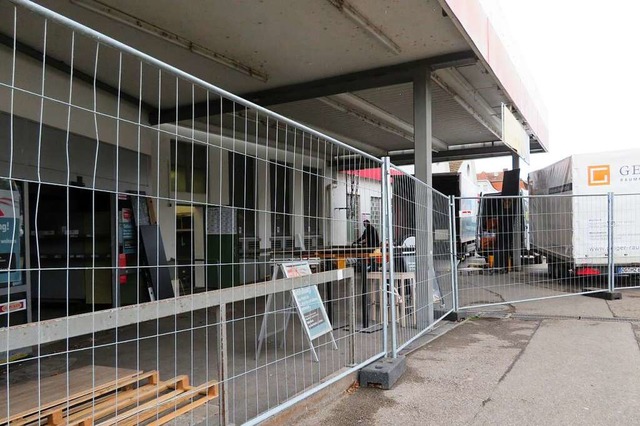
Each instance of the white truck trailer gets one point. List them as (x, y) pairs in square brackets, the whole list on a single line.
[(569, 213)]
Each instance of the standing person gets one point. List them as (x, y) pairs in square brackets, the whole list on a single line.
[(369, 236)]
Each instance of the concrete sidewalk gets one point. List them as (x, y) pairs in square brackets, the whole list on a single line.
[(572, 360)]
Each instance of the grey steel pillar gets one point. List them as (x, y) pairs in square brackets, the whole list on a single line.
[(515, 161), (423, 139), (517, 226), (518, 229)]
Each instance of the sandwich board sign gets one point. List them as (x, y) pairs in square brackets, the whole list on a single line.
[(306, 301), (295, 269), (311, 310)]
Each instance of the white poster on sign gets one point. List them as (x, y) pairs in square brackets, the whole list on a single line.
[(296, 269), (311, 311), (306, 301)]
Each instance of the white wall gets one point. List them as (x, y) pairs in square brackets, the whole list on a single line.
[(468, 169), (367, 188), (167, 207), (154, 142), (219, 148), (28, 78), (440, 167), (486, 187)]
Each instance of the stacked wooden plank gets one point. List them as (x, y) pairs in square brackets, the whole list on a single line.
[(93, 396)]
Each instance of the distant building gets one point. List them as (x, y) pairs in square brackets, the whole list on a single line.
[(491, 182), (355, 195), (466, 167)]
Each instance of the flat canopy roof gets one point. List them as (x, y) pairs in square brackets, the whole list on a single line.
[(344, 67)]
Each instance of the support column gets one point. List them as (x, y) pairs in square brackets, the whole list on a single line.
[(425, 272), (219, 177), (515, 161), (297, 200), (518, 221), (263, 222)]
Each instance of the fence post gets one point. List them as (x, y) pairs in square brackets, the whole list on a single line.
[(351, 289), (223, 367), (385, 234), (389, 233), (610, 250), (453, 251)]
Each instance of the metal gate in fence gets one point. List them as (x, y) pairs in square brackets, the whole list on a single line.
[(545, 246)]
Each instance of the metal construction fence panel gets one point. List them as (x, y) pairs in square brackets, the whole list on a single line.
[(626, 240), (169, 249), (536, 247), (422, 290)]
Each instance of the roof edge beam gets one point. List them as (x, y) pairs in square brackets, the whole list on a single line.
[(352, 82), (492, 149)]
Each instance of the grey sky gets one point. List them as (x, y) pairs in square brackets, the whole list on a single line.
[(581, 56)]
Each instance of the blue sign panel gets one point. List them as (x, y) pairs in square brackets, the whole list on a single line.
[(312, 311), (10, 250)]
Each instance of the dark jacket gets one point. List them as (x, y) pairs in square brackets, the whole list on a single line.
[(369, 237)]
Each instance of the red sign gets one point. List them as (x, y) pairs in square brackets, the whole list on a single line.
[(296, 269), (10, 307), (122, 263), (126, 215)]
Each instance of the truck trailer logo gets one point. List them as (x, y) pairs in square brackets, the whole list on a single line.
[(599, 175)]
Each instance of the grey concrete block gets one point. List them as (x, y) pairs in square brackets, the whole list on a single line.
[(456, 316), (383, 373), (606, 295)]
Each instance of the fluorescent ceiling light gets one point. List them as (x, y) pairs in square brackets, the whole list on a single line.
[(369, 27), (369, 113), (166, 35)]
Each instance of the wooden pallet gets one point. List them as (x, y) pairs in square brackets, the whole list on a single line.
[(136, 398)]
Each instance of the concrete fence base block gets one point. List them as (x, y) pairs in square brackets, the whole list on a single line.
[(606, 295), (456, 316), (383, 373)]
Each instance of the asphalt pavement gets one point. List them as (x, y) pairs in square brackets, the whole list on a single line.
[(565, 361)]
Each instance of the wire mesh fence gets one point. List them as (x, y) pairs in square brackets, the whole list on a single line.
[(626, 240), (422, 290), (536, 247), (171, 250)]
